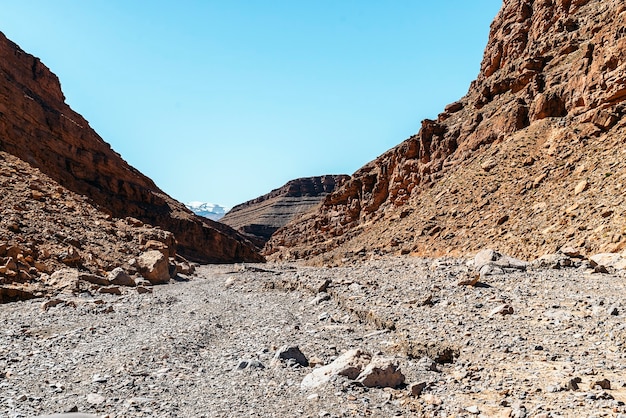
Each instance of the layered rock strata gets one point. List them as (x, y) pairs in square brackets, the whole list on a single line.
[(530, 160), (37, 126), (259, 218)]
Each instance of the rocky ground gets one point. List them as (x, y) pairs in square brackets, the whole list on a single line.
[(542, 342)]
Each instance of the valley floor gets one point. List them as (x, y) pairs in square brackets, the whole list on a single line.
[(180, 351)]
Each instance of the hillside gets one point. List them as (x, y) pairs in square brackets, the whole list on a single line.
[(530, 160), (259, 218), (37, 126)]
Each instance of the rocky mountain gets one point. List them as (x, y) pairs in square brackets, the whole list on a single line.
[(38, 127), (52, 239), (531, 159), (259, 218), (208, 210)]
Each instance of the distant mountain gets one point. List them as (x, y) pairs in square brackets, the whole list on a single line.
[(208, 210), (259, 218)]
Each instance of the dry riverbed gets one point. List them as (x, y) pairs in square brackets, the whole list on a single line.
[(536, 343)]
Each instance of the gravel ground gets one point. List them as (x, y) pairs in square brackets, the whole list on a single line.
[(175, 352)]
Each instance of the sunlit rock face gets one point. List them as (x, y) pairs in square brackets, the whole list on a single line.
[(500, 166)]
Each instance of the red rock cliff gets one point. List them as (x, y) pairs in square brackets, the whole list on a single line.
[(37, 126), (544, 114)]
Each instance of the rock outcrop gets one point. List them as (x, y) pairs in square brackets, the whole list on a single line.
[(530, 160), (53, 240), (259, 218), (37, 126)]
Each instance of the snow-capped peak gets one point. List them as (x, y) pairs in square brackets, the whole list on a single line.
[(208, 210)]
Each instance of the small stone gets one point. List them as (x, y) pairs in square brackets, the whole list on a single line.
[(287, 353), (154, 266), (572, 384), (349, 364), (249, 364), (112, 290), (51, 303), (502, 310), (553, 388), (581, 187), (473, 410), (96, 378), (93, 278), (431, 399), (603, 384), (427, 364), (570, 252), (321, 297), (323, 316), (416, 389), (95, 399), (142, 289), (469, 281), (313, 397), (488, 165)]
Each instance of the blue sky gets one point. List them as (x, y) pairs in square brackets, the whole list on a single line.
[(223, 101)]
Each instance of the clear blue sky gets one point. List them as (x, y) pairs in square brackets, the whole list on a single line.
[(222, 101)]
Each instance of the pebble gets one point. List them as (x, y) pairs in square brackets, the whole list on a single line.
[(95, 399)]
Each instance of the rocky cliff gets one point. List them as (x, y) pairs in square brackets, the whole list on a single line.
[(259, 218), (37, 126), (531, 159)]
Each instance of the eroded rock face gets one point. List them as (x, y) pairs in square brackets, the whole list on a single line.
[(259, 218), (37, 126), (500, 166)]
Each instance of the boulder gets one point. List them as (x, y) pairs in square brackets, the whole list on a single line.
[(381, 373), (616, 261), (118, 276), (490, 262), (153, 265), (65, 280), (350, 364)]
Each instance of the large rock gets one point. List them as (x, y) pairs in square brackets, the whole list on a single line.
[(350, 364), (120, 277), (38, 127), (65, 280), (500, 166), (154, 266), (489, 262), (616, 261), (381, 373)]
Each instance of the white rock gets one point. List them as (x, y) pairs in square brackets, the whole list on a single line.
[(349, 364), (613, 260), (95, 399)]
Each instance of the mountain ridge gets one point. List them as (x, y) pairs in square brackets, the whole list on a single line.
[(550, 81), (37, 126), (261, 217)]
